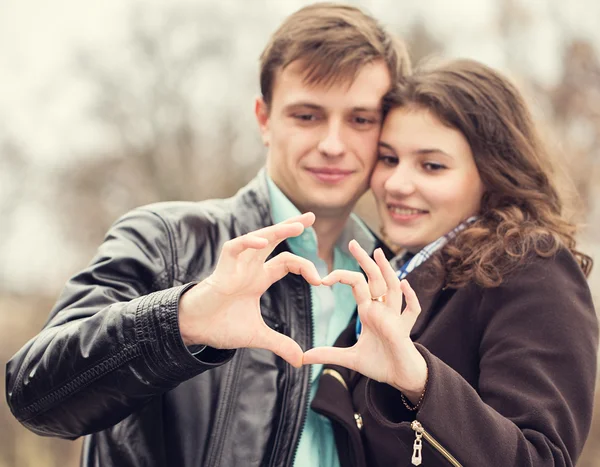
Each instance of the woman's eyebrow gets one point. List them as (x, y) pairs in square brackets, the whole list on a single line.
[(417, 152), (386, 145), (426, 151)]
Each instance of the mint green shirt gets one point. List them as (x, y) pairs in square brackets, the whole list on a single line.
[(332, 308)]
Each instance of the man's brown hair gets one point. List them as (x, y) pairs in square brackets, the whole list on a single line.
[(334, 42)]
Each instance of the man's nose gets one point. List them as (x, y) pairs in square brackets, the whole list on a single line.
[(332, 144)]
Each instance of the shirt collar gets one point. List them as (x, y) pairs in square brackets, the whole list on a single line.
[(306, 243), (406, 261)]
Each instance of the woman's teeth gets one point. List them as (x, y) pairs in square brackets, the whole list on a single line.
[(404, 211)]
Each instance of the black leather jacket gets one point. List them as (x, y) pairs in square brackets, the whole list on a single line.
[(110, 363)]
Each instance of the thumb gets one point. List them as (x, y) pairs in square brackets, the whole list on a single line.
[(281, 345), (330, 355)]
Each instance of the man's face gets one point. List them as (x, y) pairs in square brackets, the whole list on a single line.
[(322, 140)]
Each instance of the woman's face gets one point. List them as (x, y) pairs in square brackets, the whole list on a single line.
[(425, 181)]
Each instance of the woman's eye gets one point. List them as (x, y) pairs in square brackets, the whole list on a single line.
[(433, 166), (387, 159)]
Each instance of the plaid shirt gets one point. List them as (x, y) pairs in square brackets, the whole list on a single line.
[(409, 263)]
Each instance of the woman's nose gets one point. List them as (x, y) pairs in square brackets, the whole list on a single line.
[(401, 182)]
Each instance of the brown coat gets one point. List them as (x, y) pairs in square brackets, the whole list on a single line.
[(512, 371)]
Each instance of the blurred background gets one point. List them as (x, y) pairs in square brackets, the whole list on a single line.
[(109, 105)]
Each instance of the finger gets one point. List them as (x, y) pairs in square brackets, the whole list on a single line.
[(413, 307), (360, 288), (377, 284), (281, 230), (280, 344), (332, 356), (275, 234), (278, 232), (394, 292), (286, 262), (233, 248), (307, 219)]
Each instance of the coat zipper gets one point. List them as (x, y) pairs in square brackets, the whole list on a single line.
[(418, 446)]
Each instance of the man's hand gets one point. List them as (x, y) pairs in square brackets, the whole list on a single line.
[(384, 351), (223, 311)]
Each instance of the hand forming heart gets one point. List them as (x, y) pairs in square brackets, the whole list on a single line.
[(223, 311), (384, 350)]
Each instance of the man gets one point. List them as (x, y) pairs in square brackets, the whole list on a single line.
[(139, 351)]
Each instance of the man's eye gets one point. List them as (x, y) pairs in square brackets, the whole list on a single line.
[(364, 120), (306, 117)]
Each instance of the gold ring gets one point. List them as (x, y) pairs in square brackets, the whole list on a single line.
[(380, 299)]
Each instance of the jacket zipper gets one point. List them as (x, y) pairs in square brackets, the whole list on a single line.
[(285, 397), (418, 445), (216, 447), (357, 416), (95, 372), (310, 370)]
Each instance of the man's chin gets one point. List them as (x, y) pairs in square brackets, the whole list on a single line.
[(330, 208)]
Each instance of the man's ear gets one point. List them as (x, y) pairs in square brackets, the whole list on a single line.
[(261, 110)]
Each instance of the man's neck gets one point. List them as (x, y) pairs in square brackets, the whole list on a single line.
[(328, 231)]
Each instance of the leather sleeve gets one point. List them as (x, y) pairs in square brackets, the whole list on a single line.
[(537, 359), (112, 342)]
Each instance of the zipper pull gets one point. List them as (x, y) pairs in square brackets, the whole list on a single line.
[(359, 420), (418, 444)]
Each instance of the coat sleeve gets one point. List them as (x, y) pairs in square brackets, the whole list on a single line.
[(112, 341), (537, 361)]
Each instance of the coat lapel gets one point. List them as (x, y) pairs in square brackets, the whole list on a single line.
[(429, 287)]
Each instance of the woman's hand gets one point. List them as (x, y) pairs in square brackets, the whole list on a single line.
[(384, 351), (223, 311)]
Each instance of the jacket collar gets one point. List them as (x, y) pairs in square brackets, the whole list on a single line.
[(253, 205)]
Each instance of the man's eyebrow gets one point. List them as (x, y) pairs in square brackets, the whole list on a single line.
[(308, 105), (311, 105), (367, 109)]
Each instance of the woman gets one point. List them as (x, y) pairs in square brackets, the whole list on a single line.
[(494, 364)]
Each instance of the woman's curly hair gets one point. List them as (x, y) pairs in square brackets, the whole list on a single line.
[(521, 211)]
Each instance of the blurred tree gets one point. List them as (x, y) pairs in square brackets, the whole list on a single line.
[(576, 108), (421, 43), (14, 172), (165, 145)]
